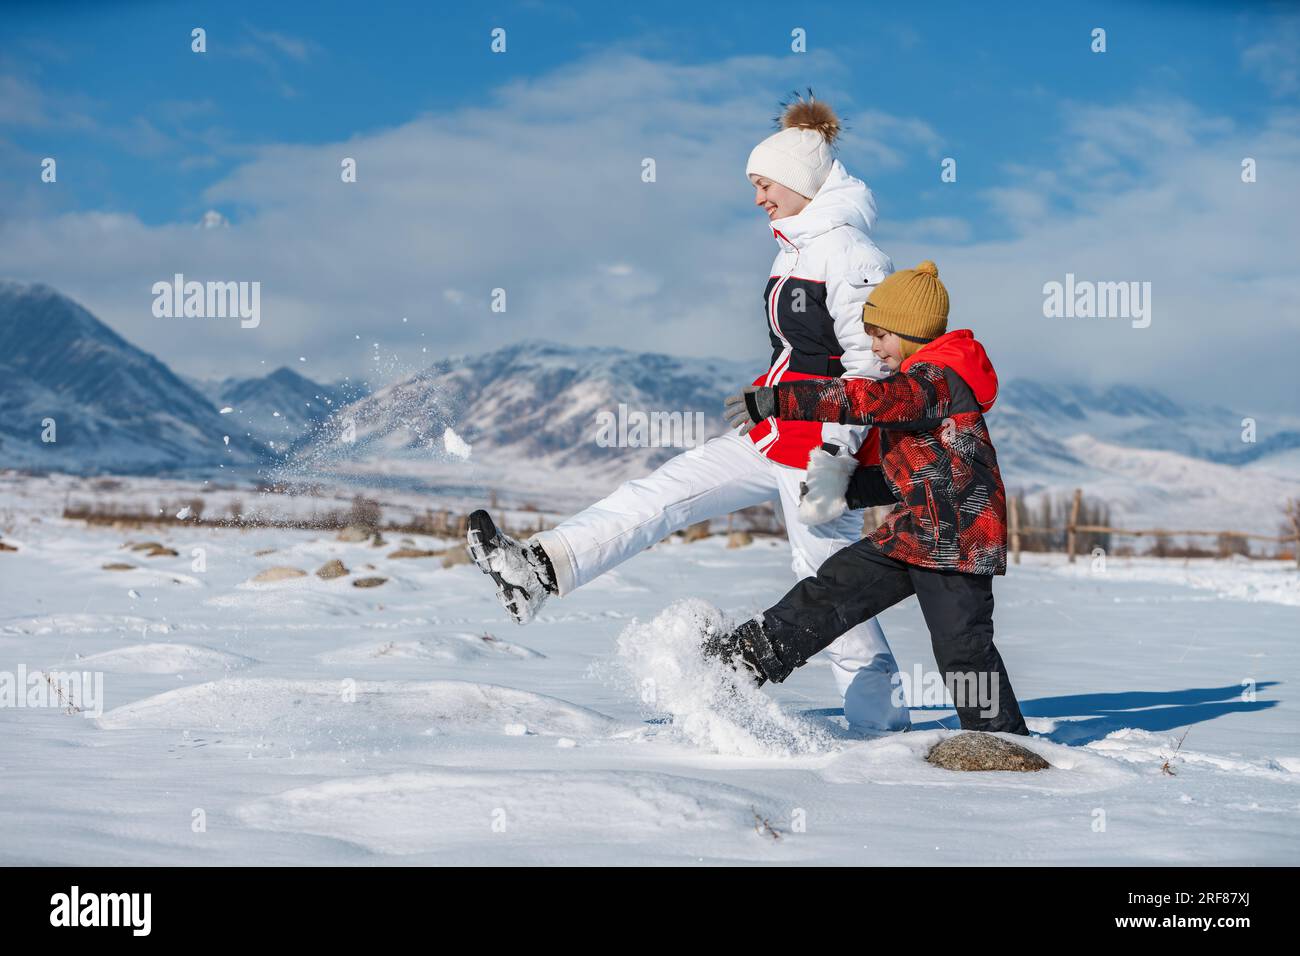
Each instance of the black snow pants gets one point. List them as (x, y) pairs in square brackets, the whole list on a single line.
[(858, 582)]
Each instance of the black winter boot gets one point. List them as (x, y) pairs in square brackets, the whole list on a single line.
[(749, 646)]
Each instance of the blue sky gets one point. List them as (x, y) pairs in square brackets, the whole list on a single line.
[(306, 73), (1048, 137)]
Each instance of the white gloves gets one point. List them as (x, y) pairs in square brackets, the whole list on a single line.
[(824, 488)]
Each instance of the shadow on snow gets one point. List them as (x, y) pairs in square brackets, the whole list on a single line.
[(1105, 713)]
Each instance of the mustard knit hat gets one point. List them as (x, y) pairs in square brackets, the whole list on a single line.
[(913, 304)]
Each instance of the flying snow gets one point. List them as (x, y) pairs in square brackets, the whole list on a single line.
[(708, 705), (455, 445)]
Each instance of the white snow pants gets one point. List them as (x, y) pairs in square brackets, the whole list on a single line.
[(714, 479)]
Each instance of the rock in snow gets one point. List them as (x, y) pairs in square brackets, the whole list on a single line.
[(278, 574), (455, 556), (333, 568), (976, 751)]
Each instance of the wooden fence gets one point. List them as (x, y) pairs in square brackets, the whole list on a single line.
[(1073, 529), (758, 520)]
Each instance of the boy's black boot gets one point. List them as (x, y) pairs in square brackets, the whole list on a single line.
[(750, 647)]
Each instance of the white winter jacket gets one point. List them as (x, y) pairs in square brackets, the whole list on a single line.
[(826, 267)]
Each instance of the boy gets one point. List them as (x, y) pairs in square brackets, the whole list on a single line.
[(946, 537)]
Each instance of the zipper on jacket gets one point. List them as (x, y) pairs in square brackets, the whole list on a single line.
[(773, 307), (933, 509), (777, 369)]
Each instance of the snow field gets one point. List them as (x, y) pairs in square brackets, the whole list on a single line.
[(310, 721)]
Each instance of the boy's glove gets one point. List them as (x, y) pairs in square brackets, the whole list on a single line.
[(868, 488), (749, 406), (822, 492)]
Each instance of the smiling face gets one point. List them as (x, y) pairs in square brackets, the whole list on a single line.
[(778, 201), (887, 347)]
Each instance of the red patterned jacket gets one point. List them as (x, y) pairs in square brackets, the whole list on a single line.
[(936, 454)]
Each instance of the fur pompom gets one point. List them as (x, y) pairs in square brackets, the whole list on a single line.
[(810, 113)]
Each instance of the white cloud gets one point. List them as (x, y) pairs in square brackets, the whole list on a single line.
[(1276, 59), (927, 229), (295, 48), (1220, 254), (270, 50), (27, 103), (1023, 207), (538, 191)]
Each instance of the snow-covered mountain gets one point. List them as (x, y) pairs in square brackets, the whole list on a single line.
[(534, 407), (533, 413), (1137, 417), (113, 407), (280, 407), (530, 411), (1153, 460)]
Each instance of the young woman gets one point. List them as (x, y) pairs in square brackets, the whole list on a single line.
[(825, 267)]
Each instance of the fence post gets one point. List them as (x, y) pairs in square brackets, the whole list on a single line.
[(1295, 523), (1013, 516), (1070, 533)]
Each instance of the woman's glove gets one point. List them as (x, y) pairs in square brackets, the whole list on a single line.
[(749, 406), (822, 492)]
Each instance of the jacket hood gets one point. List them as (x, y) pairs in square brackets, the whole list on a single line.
[(843, 200), (959, 351)]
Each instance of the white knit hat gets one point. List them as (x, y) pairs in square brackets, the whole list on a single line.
[(799, 155)]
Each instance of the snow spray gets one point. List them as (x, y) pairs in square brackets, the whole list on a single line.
[(709, 704)]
